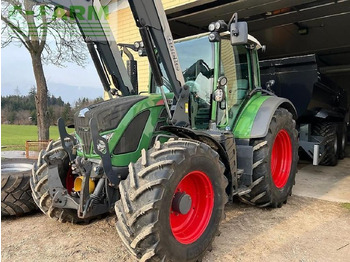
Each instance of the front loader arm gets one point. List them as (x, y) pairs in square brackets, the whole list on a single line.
[(157, 38), (155, 32), (102, 46)]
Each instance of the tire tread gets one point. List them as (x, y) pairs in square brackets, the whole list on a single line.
[(260, 193), (16, 198), (142, 241)]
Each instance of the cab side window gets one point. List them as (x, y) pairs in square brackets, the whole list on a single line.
[(235, 66)]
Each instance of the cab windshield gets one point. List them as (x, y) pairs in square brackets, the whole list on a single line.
[(196, 58)]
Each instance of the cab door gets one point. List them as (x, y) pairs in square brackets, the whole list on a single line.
[(236, 66)]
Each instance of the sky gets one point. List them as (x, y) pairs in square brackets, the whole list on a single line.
[(70, 82)]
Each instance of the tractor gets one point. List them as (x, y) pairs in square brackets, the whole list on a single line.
[(168, 161)]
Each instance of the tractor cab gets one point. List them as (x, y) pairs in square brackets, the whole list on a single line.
[(197, 58), (215, 95)]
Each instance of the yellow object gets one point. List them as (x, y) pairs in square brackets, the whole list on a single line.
[(79, 181), (186, 108)]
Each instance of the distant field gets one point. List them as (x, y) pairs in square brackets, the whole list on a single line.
[(14, 137)]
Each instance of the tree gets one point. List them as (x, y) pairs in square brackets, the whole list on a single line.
[(20, 109), (67, 114), (48, 39)]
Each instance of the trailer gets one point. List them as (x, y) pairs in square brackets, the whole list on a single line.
[(322, 106)]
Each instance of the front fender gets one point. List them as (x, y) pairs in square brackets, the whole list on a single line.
[(255, 119)]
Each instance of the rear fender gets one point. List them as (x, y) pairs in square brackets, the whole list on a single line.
[(257, 126)]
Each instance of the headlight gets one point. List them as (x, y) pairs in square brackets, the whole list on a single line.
[(219, 95), (79, 146), (108, 136), (222, 81), (101, 146), (211, 27)]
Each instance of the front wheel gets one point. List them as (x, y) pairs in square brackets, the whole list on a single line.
[(275, 162), (172, 202), (40, 178)]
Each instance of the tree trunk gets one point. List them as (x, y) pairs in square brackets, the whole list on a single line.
[(41, 98)]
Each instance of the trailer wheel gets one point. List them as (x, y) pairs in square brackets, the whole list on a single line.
[(172, 202), (39, 183), (329, 132), (16, 196), (275, 162), (342, 140)]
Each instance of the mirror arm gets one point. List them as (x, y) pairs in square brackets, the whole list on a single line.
[(235, 29)]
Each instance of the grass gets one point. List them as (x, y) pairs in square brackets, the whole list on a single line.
[(14, 137), (346, 205)]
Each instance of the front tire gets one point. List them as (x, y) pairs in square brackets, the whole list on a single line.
[(172, 202), (39, 183), (275, 162)]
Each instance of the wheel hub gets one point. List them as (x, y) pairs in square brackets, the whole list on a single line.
[(182, 203), (191, 207)]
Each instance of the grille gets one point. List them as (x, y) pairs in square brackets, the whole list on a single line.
[(108, 115)]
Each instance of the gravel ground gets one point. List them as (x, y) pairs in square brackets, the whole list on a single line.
[(305, 229)]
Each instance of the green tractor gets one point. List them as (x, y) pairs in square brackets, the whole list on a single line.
[(167, 162)]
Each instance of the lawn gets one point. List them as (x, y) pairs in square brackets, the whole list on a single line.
[(14, 137)]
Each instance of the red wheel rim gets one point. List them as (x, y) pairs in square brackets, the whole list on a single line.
[(281, 159), (69, 180), (189, 227)]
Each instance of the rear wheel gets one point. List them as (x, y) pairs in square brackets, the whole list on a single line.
[(329, 132), (275, 162), (342, 140), (172, 202)]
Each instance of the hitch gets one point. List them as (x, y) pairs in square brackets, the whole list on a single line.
[(59, 194)]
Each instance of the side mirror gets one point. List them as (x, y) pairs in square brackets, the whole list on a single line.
[(239, 33)]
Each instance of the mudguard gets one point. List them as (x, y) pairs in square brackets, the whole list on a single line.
[(251, 126)]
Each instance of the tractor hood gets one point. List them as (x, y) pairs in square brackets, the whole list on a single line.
[(108, 115)]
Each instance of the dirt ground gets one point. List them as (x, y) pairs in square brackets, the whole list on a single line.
[(305, 229)]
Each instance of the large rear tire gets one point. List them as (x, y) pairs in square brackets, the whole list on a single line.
[(342, 140), (39, 183), (172, 202), (329, 132), (275, 162), (16, 196)]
